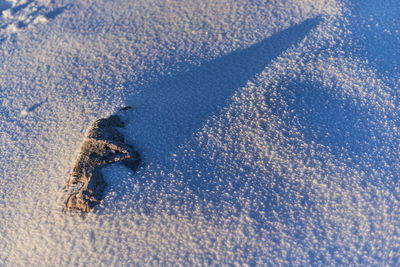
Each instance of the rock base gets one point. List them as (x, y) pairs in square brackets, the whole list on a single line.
[(103, 145)]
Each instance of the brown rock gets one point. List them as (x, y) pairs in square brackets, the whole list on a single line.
[(103, 145)]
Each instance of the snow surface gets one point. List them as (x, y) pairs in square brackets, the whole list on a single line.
[(269, 131)]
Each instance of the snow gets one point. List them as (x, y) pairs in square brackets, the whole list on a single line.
[(268, 129)]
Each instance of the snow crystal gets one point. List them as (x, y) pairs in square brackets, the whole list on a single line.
[(268, 129)]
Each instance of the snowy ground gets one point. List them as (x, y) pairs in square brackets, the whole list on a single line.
[(269, 131)]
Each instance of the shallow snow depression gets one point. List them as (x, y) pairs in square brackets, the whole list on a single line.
[(269, 131)]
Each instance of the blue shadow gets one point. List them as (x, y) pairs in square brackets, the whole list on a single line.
[(53, 14), (173, 108), (375, 35), (4, 5), (168, 112), (333, 120)]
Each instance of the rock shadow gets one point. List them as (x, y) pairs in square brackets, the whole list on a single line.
[(170, 111), (173, 108)]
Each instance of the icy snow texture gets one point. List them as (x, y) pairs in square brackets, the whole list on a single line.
[(269, 131)]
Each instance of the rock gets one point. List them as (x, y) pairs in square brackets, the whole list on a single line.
[(103, 145)]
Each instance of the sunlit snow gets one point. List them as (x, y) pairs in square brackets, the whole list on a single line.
[(269, 131)]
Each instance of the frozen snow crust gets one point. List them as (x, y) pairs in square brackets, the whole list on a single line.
[(269, 131)]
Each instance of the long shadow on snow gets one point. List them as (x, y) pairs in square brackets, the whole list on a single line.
[(172, 109)]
